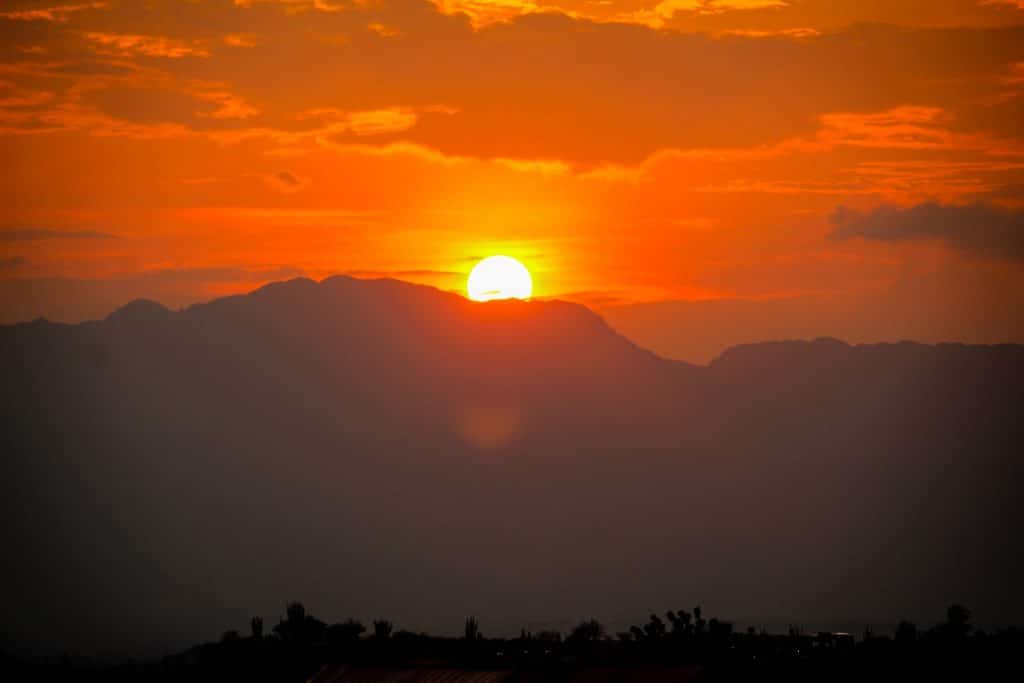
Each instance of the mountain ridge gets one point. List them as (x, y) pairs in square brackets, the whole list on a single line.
[(374, 447), (145, 310)]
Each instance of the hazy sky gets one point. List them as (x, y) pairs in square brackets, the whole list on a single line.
[(626, 150)]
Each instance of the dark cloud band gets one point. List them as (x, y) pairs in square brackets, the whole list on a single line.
[(984, 229)]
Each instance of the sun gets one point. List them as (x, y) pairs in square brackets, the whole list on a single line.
[(499, 277)]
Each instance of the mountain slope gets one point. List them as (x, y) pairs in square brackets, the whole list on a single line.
[(379, 448)]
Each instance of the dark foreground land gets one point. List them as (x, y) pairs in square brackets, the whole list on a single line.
[(384, 448), (381, 448), (682, 646)]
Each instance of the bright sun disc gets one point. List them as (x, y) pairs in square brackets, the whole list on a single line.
[(499, 277)]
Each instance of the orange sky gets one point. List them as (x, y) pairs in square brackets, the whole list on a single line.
[(850, 167)]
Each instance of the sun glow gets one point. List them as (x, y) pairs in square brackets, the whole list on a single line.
[(499, 277)]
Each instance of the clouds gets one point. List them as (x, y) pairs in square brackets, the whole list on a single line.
[(285, 181), (240, 40), (366, 122), (296, 6), (588, 137), (725, 16), (486, 12), (544, 86), (10, 263), (56, 13), (664, 12), (33, 235), (73, 299), (127, 45), (983, 229)]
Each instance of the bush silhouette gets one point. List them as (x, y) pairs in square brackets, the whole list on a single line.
[(382, 629), (472, 630), (256, 627)]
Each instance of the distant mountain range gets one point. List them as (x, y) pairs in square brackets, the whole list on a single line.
[(375, 448)]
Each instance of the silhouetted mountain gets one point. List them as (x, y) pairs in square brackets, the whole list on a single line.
[(379, 448), (139, 312)]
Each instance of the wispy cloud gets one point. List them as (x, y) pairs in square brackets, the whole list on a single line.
[(418, 273), (984, 229), (227, 105), (805, 32), (13, 262), (56, 13), (285, 181), (32, 235), (662, 13), (362, 122), (1019, 4), (241, 40), (128, 44), (383, 30), (486, 12), (220, 274), (294, 6), (550, 167)]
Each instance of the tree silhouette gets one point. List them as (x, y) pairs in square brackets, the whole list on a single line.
[(958, 615), (698, 621), (303, 646), (906, 633), (719, 632), (299, 627), (256, 626), (290, 629), (296, 613), (584, 637), (587, 631), (681, 622), (549, 636), (655, 628), (346, 631), (958, 621), (472, 630), (382, 629)]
